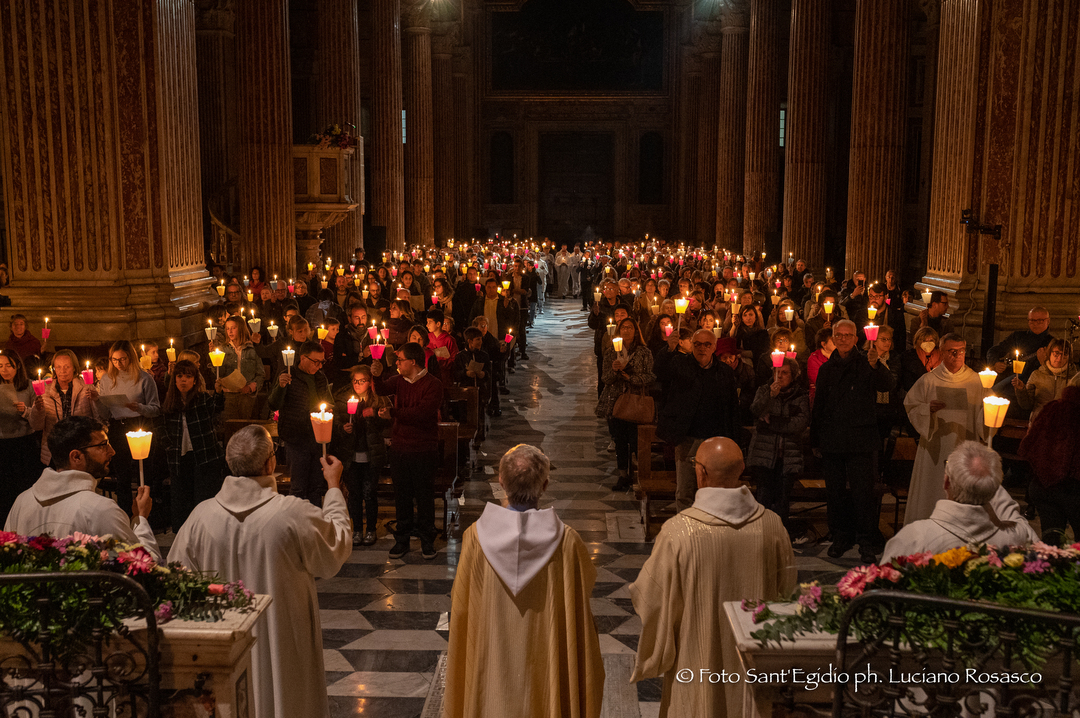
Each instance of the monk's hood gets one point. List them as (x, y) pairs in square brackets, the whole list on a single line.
[(733, 506), (55, 485), (967, 522), (518, 544), (241, 494)]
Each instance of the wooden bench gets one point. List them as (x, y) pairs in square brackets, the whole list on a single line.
[(652, 484), (470, 427)]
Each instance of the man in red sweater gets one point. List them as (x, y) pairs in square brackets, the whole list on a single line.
[(414, 445)]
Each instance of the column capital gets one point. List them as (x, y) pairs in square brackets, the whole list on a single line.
[(416, 15), (215, 16), (932, 10), (735, 17)]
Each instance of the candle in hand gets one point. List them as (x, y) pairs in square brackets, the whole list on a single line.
[(988, 376), (680, 305), (871, 311), (221, 288), (790, 354), (171, 352), (509, 335), (617, 343), (273, 330), (211, 330), (88, 375), (871, 332), (217, 357), (828, 306), (789, 314), (994, 410), (777, 358), (351, 404), (322, 424), (322, 331), (1018, 366), (288, 355), (139, 443)]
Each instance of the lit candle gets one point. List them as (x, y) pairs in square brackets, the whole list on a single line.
[(45, 331), (789, 314), (310, 266), (288, 355), (377, 351), (322, 424), (681, 303), (365, 293), (340, 270), (506, 284), (254, 324), (871, 311), (322, 331), (373, 331), (211, 330), (434, 298), (617, 343), (988, 377), (596, 295), (323, 282), (221, 288), (1018, 366), (356, 282), (828, 306), (352, 403), (509, 335), (926, 294), (752, 275), (790, 354), (775, 298), (871, 331), (217, 357), (171, 352), (139, 445), (777, 358), (667, 330), (655, 308), (994, 410)]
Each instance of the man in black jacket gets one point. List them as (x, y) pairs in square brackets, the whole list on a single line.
[(886, 315), (465, 295), (349, 345), (701, 403), (602, 314), (844, 431)]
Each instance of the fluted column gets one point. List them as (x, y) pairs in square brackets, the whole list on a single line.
[(215, 63), (419, 143), (339, 102), (762, 201), (707, 142), (267, 221), (806, 130), (875, 184), (731, 144), (442, 70), (388, 192), (464, 177)]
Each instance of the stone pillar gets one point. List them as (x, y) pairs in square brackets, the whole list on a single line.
[(708, 128), (465, 179), (387, 174), (339, 102), (267, 222), (731, 144), (100, 152), (764, 72), (419, 145), (806, 131), (215, 61), (878, 120), (442, 70)]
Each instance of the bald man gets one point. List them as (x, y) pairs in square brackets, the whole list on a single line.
[(725, 547), (1027, 345)]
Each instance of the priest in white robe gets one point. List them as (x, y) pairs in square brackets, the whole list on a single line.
[(522, 638), (562, 268), (976, 509), (726, 547), (277, 545), (64, 499), (945, 407)]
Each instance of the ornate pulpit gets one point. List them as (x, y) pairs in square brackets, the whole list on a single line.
[(323, 195)]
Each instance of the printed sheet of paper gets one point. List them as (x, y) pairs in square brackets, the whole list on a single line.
[(954, 398), (8, 399), (234, 381), (114, 401), (475, 367), (442, 352)]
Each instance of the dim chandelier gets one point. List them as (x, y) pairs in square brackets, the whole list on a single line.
[(753, 377)]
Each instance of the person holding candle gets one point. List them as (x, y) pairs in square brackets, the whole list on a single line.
[(923, 357), (63, 499), (350, 343), (1048, 382), (257, 282), (400, 322), (21, 341), (19, 450), (886, 315), (501, 313), (750, 334), (442, 344), (192, 450), (303, 297), (496, 351), (934, 316), (364, 430), (627, 369), (844, 431), (66, 396), (300, 390), (1027, 346), (888, 402), (414, 443), (240, 355), (601, 315), (139, 403), (419, 335), (945, 408), (781, 411), (465, 296), (764, 368), (444, 293)]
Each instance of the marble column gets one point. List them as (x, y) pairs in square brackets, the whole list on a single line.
[(267, 221), (465, 179), (215, 43), (806, 131), (708, 137), (878, 119), (419, 144), (442, 70), (100, 152), (339, 103), (763, 94), (731, 143), (387, 173)]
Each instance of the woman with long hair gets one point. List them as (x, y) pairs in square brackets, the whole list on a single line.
[(240, 354), (65, 396), (135, 404), (192, 450), (1048, 382), (257, 281), (19, 449), (364, 430), (750, 334), (400, 322), (631, 367)]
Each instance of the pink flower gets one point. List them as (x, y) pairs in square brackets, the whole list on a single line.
[(1036, 566), (84, 539), (761, 608), (216, 589), (854, 583), (916, 559), (993, 559), (8, 537), (138, 560), (1046, 551), (811, 597), (886, 572), (164, 612)]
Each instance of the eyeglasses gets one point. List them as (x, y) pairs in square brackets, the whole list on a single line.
[(316, 362), (842, 335), (702, 345), (94, 446), (955, 352), (696, 463)]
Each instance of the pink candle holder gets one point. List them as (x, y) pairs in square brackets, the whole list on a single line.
[(509, 338), (88, 376), (45, 332), (292, 289), (777, 359), (477, 287), (871, 332), (667, 332), (39, 386), (373, 332), (790, 355), (385, 334), (393, 271), (377, 351)]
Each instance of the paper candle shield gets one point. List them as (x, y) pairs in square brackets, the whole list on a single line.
[(789, 314), (617, 343), (871, 312), (988, 377), (377, 351), (288, 355), (994, 410), (681, 304), (88, 376), (871, 332), (273, 330), (217, 357), (351, 405), (373, 332), (39, 386), (777, 359), (1018, 366), (139, 443)]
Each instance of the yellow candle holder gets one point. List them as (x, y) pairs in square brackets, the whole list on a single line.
[(994, 410), (139, 444), (988, 377)]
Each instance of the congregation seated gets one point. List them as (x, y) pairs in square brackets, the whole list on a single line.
[(976, 509), (522, 638)]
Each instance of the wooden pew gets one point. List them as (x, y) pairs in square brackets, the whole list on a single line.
[(470, 427), (653, 484)]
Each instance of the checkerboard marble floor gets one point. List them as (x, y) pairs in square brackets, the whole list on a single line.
[(384, 621)]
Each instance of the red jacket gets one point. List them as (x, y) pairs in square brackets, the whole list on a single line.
[(415, 412)]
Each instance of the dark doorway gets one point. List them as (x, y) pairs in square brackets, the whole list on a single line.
[(577, 186)]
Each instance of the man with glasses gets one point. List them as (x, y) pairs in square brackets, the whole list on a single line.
[(844, 431), (64, 500), (886, 315), (300, 390), (1027, 345), (414, 445), (700, 403), (945, 407), (934, 314)]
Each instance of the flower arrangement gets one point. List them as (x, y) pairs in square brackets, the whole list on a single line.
[(175, 591), (1036, 576), (335, 136)]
